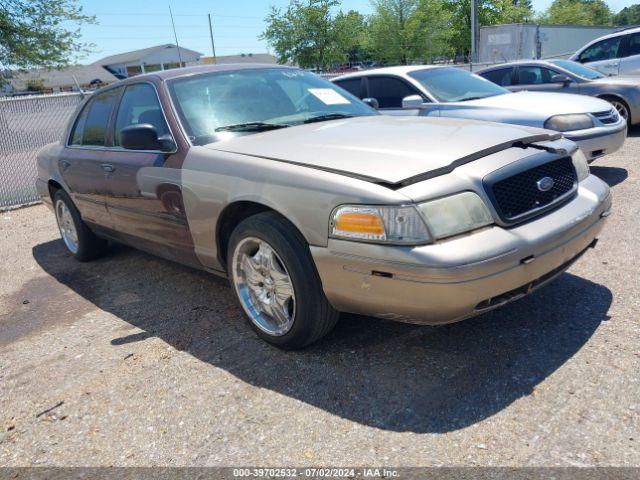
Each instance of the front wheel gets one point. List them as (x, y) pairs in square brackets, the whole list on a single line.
[(276, 283), (621, 107)]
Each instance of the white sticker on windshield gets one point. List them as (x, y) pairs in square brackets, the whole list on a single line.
[(328, 96)]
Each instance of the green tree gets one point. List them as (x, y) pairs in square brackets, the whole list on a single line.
[(578, 12), (40, 33), (628, 16), (350, 30), (305, 33), (391, 34)]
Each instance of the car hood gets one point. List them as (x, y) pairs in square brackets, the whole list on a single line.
[(630, 81), (383, 149), (525, 108)]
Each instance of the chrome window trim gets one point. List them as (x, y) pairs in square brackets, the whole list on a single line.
[(119, 148)]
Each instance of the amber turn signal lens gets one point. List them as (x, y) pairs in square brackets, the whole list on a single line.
[(360, 222)]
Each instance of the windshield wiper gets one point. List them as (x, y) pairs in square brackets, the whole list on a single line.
[(328, 116), (251, 127), (466, 99)]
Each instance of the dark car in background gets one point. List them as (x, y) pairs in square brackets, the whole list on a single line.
[(567, 76)]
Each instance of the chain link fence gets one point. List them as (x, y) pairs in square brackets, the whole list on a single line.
[(26, 125)]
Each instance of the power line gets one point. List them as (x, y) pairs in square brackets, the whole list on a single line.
[(169, 26), (176, 15)]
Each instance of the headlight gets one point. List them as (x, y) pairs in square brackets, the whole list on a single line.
[(409, 225), (456, 214), (380, 224), (567, 123), (581, 164)]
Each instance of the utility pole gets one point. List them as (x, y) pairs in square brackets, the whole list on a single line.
[(474, 31), (175, 35), (213, 45)]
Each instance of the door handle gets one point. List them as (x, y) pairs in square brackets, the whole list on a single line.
[(64, 164), (107, 168)]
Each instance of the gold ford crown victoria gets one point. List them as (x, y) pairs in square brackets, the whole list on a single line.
[(311, 203)]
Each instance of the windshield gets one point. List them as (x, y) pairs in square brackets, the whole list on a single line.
[(213, 104), (578, 69), (452, 84)]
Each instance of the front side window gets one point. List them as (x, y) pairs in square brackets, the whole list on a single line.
[(604, 50), (500, 77), (452, 84), (258, 99), (140, 105), (389, 91), (92, 123), (634, 45), (534, 75)]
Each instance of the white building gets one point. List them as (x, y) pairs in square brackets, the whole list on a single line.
[(152, 59)]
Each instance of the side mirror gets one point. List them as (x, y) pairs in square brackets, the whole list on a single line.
[(559, 78), (372, 102), (412, 102), (144, 136)]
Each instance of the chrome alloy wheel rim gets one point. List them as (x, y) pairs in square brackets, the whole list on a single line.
[(67, 226), (622, 110), (263, 286)]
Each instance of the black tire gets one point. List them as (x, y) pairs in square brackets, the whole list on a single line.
[(618, 101), (314, 316), (90, 246)]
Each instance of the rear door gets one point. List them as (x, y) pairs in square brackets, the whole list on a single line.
[(604, 55), (389, 91), (82, 162)]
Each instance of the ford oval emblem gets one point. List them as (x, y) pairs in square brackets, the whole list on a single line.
[(545, 184)]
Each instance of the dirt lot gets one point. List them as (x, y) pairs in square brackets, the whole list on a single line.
[(109, 364)]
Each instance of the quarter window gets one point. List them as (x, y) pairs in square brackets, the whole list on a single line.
[(390, 91), (140, 105), (500, 77), (604, 50)]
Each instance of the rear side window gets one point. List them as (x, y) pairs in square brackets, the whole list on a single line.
[(91, 127), (604, 50), (139, 105), (534, 75), (351, 85), (500, 77), (390, 91)]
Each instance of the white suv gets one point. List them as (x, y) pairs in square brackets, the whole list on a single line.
[(615, 54)]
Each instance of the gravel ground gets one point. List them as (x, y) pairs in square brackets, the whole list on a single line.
[(108, 364)]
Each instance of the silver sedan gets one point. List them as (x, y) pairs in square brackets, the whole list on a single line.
[(566, 76), (438, 91)]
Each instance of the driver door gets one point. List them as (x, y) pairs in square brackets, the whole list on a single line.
[(144, 193)]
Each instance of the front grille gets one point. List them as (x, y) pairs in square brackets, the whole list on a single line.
[(519, 196), (608, 117)]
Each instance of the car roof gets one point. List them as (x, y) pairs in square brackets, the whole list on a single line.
[(515, 63), (623, 31), (398, 70), (188, 71)]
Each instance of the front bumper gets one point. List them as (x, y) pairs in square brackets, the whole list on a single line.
[(464, 276), (599, 141)]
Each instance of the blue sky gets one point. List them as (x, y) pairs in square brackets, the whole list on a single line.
[(125, 25)]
